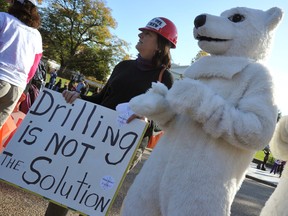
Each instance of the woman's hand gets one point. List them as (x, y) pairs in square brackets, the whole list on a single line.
[(70, 96)]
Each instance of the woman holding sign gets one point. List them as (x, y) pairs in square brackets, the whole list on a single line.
[(134, 77)]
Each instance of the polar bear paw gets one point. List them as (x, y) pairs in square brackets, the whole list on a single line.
[(152, 102), (159, 88), (185, 94)]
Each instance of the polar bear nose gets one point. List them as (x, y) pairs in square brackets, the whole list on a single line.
[(199, 21)]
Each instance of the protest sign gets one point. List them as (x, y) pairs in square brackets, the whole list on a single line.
[(75, 154)]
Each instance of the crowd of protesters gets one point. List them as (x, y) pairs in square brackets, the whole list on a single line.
[(76, 83)]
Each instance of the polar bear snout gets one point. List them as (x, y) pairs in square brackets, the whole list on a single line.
[(199, 21)]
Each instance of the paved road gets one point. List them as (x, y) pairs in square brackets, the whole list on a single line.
[(251, 198), (15, 202)]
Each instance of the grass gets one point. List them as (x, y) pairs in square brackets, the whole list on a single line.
[(260, 156), (57, 79)]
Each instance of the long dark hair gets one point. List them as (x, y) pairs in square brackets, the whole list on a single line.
[(162, 57), (26, 13)]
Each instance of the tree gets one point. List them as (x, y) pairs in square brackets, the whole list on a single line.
[(93, 62), (76, 34), (4, 4), (200, 54)]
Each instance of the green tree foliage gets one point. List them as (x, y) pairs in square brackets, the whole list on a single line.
[(76, 33), (200, 54), (93, 61), (4, 5)]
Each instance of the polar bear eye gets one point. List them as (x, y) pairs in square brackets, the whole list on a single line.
[(236, 18)]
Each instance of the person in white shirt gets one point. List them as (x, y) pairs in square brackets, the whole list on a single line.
[(20, 52)]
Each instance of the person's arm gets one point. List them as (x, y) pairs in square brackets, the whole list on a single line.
[(34, 66), (96, 98), (71, 96), (167, 80)]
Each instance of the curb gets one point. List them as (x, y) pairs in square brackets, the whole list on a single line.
[(262, 181)]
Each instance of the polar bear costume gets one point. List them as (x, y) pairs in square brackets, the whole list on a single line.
[(277, 203), (215, 119)]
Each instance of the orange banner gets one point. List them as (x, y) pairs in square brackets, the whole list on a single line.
[(9, 128)]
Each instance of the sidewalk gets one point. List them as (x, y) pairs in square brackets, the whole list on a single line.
[(262, 176), (17, 202)]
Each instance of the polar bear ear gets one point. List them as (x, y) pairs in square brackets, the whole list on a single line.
[(274, 15)]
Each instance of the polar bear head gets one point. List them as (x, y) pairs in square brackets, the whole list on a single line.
[(239, 31)]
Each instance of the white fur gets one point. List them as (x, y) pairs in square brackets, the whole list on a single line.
[(215, 119), (246, 43), (277, 203)]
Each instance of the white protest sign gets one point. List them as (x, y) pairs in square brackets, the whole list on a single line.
[(75, 154)]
